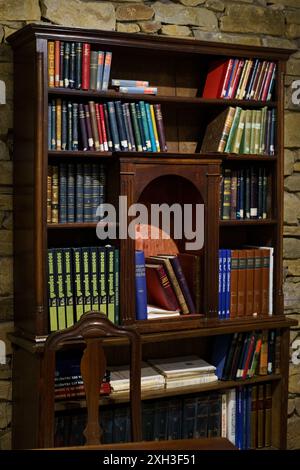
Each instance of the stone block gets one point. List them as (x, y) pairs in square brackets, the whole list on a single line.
[(291, 213), (289, 159), (76, 13), (291, 248), (5, 172), (5, 202), (134, 13), (6, 309), (293, 67), (150, 27), (6, 241), (293, 31), (292, 266), (5, 390), (291, 129), (128, 28), (6, 440), (215, 5), (258, 20), (292, 183), (5, 328), (186, 16), (17, 11), (175, 30), (281, 43), (227, 38)]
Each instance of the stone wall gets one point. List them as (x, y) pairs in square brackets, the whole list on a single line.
[(258, 22)]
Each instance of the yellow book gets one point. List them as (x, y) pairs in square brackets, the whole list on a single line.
[(51, 63), (239, 133), (154, 128)]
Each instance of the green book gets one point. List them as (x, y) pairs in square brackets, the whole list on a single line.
[(236, 143), (52, 300), (117, 286), (247, 132), (137, 135), (61, 310), (94, 279), (102, 280), (233, 129), (78, 283), (110, 282), (68, 279), (226, 194), (87, 298)]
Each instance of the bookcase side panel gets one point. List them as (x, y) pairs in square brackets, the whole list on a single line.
[(28, 283)]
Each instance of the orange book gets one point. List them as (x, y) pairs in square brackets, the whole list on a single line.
[(51, 63), (56, 62), (257, 282), (265, 262)]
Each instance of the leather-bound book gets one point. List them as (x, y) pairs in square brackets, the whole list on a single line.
[(159, 289)]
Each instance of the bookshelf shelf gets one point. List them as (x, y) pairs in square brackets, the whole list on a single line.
[(226, 223), (172, 99), (117, 398), (179, 175)]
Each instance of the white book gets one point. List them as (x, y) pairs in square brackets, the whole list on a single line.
[(182, 366), (120, 377), (231, 414), (157, 312), (224, 415), (186, 381)]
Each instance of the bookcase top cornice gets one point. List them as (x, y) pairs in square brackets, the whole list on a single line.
[(144, 41)]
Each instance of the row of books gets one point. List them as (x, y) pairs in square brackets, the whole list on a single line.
[(241, 356), (161, 282), (245, 282), (242, 415), (156, 374), (81, 280), (110, 126), (241, 131), (74, 192), (76, 65), (244, 193), (249, 79)]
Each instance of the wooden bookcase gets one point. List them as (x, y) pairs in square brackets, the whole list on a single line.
[(178, 68)]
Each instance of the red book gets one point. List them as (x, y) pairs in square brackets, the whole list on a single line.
[(103, 129), (159, 289), (216, 77), (86, 58), (97, 110), (56, 62)]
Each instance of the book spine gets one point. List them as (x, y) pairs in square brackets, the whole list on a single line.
[(154, 128), (160, 128), (121, 125), (117, 286), (78, 65), (102, 273), (140, 286), (64, 125), (113, 125), (55, 195), (88, 127), (130, 128), (86, 57), (49, 194), (63, 193), (52, 299), (145, 125), (51, 63), (79, 192), (86, 274), (183, 284), (138, 90), (125, 120), (95, 190), (94, 279), (150, 126), (110, 283), (87, 192), (71, 193), (107, 127), (58, 124), (95, 134), (100, 67), (56, 62), (66, 64), (106, 70), (60, 291), (75, 126), (128, 83), (68, 285), (83, 132), (93, 70), (78, 283), (53, 125), (72, 65), (136, 130), (61, 63)]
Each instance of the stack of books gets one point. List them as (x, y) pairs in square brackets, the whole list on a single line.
[(184, 371), (76, 65), (133, 86), (151, 379)]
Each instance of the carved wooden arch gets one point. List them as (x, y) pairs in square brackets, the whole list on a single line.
[(92, 328), (187, 174)]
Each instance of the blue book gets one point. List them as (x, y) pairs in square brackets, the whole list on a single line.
[(49, 126), (145, 125), (140, 286), (63, 193), (71, 193), (79, 193), (220, 284), (224, 283), (232, 74), (239, 420), (220, 351), (106, 71), (248, 417), (228, 284)]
